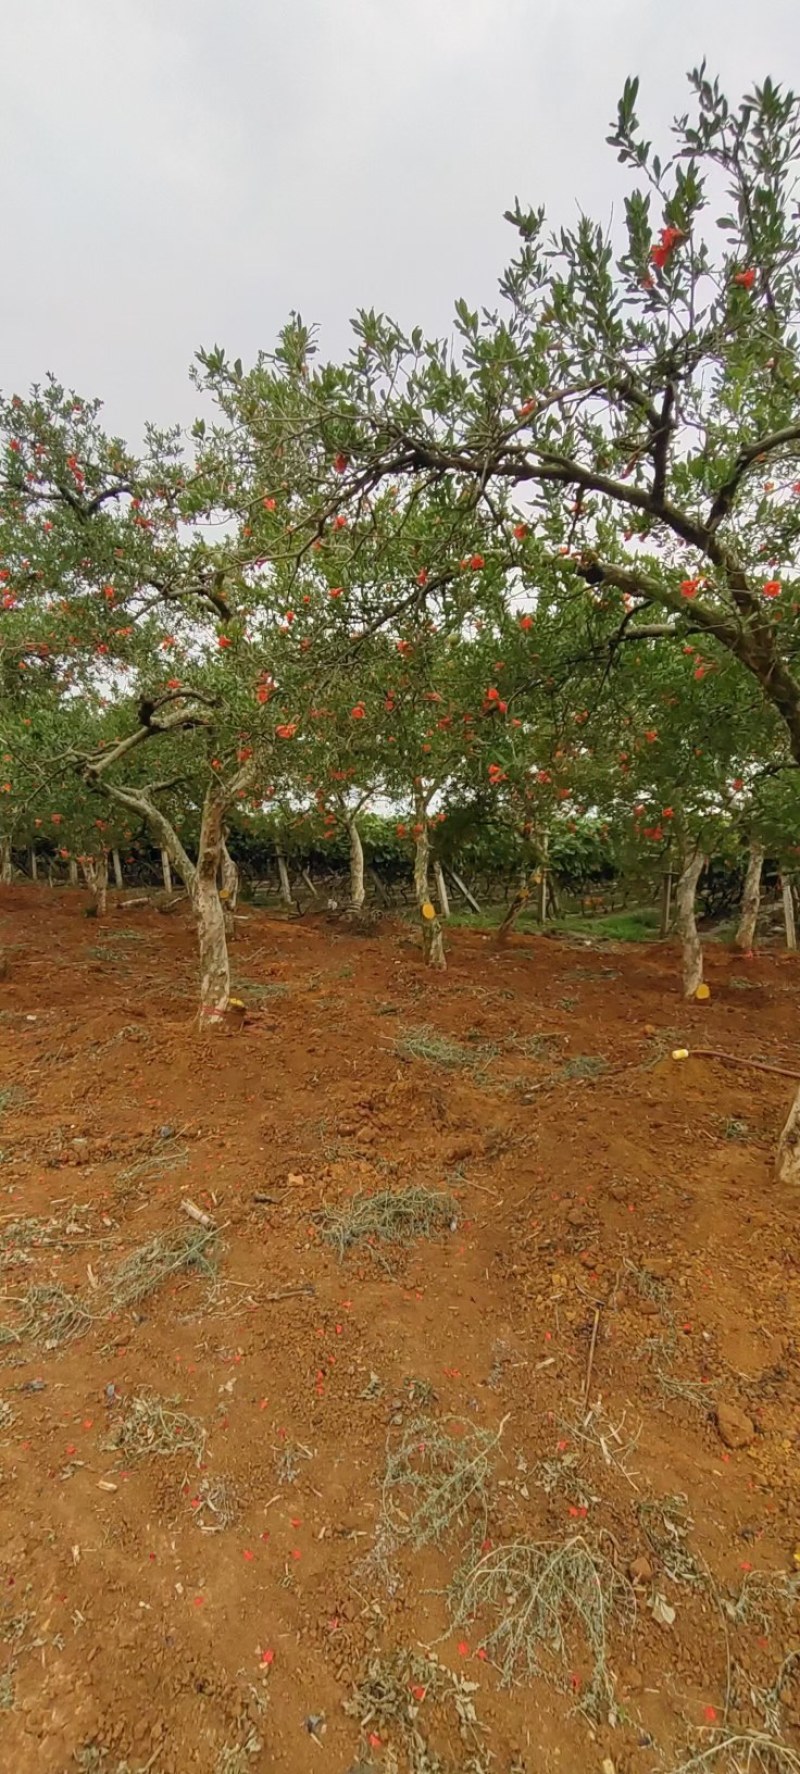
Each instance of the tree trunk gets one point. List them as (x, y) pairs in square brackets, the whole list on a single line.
[(215, 977), (787, 1158), (379, 888), (5, 861), (34, 864), (200, 881), (751, 899), (357, 889), (441, 889), (686, 924), (73, 872), (666, 903), (283, 876), (788, 913), (229, 888), (116, 864), (432, 939), (515, 906), (541, 878), (166, 871), (101, 890), (95, 874)]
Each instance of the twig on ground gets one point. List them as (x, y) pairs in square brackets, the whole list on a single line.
[(590, 1363), (740, 1059), (288, 1293), (197, 1213)]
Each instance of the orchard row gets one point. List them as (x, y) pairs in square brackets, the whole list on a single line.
[(540, 577)]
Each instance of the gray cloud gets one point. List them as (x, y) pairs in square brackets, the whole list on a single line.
[(180, 172)]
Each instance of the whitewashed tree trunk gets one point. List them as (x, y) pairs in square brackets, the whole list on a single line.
[(166, 871), (432, 938), (229, 888), (5, 860), (116, 864), (215, 976), (73, 872), (34, 864), (788, 913), (283, 877), (200, 881), (542, 877), (666, 903), (357, 889), (686, 923), (751, 899), (787, 1160), (441, 889)]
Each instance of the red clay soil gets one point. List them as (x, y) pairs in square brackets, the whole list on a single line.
[(638, 1205)]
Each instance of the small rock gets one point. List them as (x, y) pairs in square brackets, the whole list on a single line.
[(589, 1259), (640, 1570), (734, 1428), (166, 1132), (576, 1216), (459, 1149), (658, 1267), (608, 1766)]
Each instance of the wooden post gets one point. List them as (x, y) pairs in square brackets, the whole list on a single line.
[(117, 867), (34, 864), (441, 889), (666, 903), (73, 872), (462, 888), (166, 871), (788, 913), (309, 883)]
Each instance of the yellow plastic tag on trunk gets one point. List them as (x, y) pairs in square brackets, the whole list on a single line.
[(428, 910)]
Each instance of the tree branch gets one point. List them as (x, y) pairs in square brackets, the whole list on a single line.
[(726, 494)]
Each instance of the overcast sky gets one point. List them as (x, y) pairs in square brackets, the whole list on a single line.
[(177, 173)]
